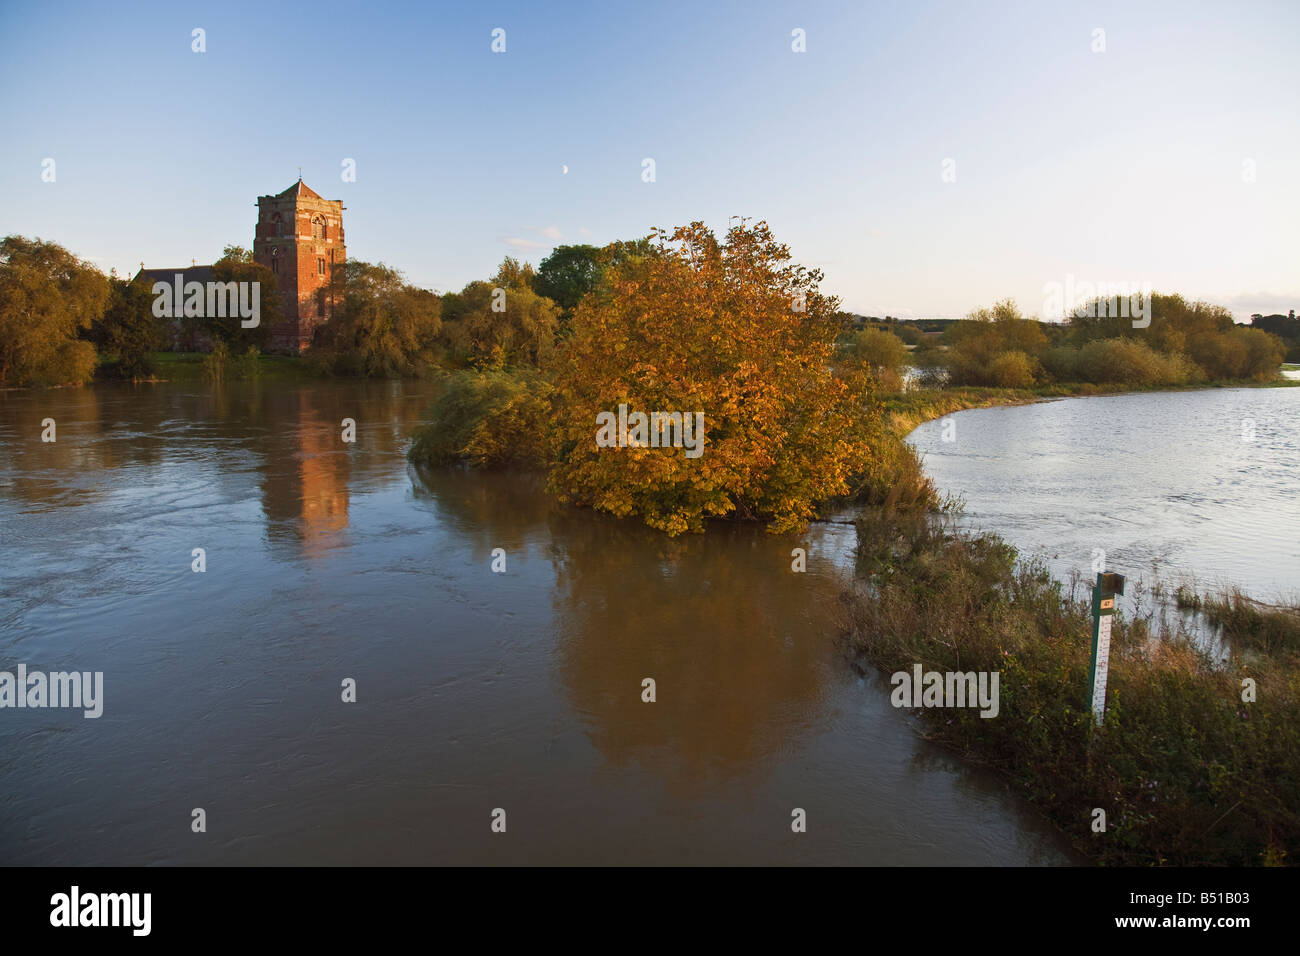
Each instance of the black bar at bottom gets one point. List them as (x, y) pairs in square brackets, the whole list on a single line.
[(335, 905)]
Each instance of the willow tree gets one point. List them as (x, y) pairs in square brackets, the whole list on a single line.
[(130, 329), (385, 328), (734, 330), (47, 297)]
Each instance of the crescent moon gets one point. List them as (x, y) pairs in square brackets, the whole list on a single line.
[(565, 170)]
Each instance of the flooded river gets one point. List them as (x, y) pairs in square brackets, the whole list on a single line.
[(327, 562), (1201, 486)]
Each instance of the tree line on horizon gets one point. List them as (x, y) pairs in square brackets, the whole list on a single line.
[(999, 347), (61, 318)]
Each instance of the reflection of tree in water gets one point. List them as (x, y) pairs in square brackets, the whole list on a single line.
[(96, 429), (736, 642), (488, 509)]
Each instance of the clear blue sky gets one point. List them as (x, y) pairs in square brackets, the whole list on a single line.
[(1115, 166)]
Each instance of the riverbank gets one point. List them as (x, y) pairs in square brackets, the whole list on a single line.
[(906, 410), (1198, 761), (189, 367)]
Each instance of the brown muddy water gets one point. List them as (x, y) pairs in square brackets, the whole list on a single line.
[(475, 690)]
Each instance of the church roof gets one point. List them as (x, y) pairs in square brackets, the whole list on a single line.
[(299, 189), (191, 274)]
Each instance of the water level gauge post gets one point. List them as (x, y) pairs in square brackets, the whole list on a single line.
[(1108, 585)]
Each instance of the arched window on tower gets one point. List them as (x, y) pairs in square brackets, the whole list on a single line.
[(277, 225), (318, 228)]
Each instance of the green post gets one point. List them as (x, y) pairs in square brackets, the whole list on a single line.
[(1103, 608)]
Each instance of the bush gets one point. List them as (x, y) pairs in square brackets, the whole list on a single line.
[(487, 419), (215, 362), (245, 366), (895, 479), (1130, 362), (881, 351), (1011, 370), (1185, 342), (979, 341), (1062, 364), (66, 363), (910, 334), (1264, 352), (706, 328)]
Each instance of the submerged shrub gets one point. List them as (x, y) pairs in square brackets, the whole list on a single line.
[(487, 419), (384, 327), (707, 328), (215, 362), (894, 478), (1250, 623), (246, 366), (1261, 353)]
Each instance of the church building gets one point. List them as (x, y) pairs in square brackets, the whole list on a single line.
[(299, 237)]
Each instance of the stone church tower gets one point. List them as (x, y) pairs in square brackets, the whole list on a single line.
[(300, 239)]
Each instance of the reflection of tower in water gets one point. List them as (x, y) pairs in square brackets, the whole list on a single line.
[(306, 472)]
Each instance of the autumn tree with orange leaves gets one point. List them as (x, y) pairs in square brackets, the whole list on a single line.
[(737, 331)]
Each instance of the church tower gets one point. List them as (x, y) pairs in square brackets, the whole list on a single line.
[(300, 239)]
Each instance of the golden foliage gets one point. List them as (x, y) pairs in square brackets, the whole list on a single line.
[(734, 330)]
